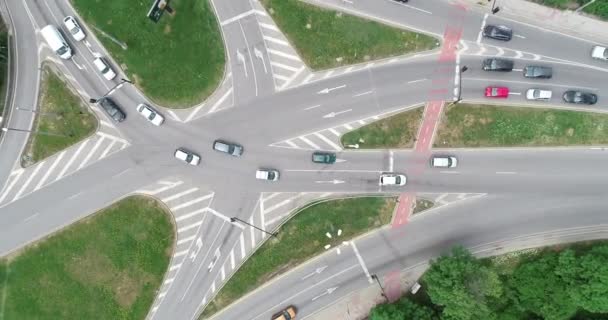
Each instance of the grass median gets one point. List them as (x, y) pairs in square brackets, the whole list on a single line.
[(328, 39), (302, 238), (61, 121), (474, 125), (177, 62), (398, 131), (108, 266)]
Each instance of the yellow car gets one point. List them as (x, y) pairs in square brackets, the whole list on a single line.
[(288, 313)]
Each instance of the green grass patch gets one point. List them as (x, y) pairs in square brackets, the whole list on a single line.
[(398, 131), (108, 266), (177, 62), (470, 125), (599, 8), (302, 238), (328, 39), (63, 120)]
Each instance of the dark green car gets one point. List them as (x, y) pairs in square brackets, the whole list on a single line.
[(323, 157)]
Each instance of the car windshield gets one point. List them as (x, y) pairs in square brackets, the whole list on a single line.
[(536, 93), (152, 116), (494, 91), (62, 50), (398, 180), (189, 158), (270, 175), (74, 30)]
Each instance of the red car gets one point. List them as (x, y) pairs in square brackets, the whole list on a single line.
[(497, 92)]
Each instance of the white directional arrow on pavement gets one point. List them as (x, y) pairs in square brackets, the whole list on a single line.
[(328, 291), (328, 90), (258, 54), (331, 181), (333, 114), (241, 59), (199, 245), (317, 271)]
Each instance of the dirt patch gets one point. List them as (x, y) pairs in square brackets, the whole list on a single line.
[(570, 132), (280, 270), (167, 29), (126, 290), (468, 120)]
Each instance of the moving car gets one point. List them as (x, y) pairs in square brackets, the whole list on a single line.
[(497, 92), (74, 28), (599, 52), (392, 179), (227, 147), (444, 162), (579, 97), (150, 114), (538, 94), (55, 40), (112, 109), (539, 72), (288, 313), (497, 32), (104, 68), (323, 157), (497, 64), (267, 174), (187, 156)]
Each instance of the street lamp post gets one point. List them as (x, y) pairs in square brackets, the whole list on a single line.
[(494, 8), (6, 129), (235, 219), (460, 72), (375, 277), (117, 86)]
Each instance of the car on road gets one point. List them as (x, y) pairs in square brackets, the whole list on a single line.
[(150, 114), (538, 94), (497, 92), (232, 149), (497, 64), (103, 67), (599, 52), (392, 179), (323, 157), (539, 72), (497, 32), (440, 161), (288, 313), (112, 109), (267, 174), (187, 156), (74, 28), (56, 41), (579, 97)]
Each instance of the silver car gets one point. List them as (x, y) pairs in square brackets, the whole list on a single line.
[(232, 149)]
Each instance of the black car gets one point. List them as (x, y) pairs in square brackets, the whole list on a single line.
[(500, 32), (538, 72), (323, 157), (496, 64), (579, 97), (112, 109)]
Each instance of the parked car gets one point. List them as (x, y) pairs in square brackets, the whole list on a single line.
[(150, 114), (227, 147), (599, 52), (497, 32), (497, 64), (267, 174), (392, 179), (538, 94), (288, 313), (579, 97), (112, 109), (103, 67), (539, 72), (444, 162), (187, 156), (74, 28), (497, 92), (323, 157)]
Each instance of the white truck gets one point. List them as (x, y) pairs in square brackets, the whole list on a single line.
[(55, 40)]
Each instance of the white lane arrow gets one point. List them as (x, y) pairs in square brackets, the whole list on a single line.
[(199, 245), (328, 90), (258, 54), (328, 291), (333, 114), (241, 59), (340, 160), (317, 271), (331, 181)]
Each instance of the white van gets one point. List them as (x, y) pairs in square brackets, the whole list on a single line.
[(56, 41)]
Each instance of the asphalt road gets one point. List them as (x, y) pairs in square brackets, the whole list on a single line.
[(526, 191)]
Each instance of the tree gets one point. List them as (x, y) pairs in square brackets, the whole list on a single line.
[(403, 309)]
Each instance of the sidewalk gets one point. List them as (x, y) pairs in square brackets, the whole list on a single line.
[(565, 21)]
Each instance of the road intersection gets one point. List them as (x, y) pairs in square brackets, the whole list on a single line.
[(279, 110)]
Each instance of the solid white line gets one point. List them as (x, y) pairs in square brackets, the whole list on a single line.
[(284, 55), (109, 136), (188, 239), (390, 161), (10, 186), (178, 195), (329, 142), (220, 101), (310, 143), (48, 172), (281, 77), (108, 148), (483, 24), (213, 287), (262, 218), (519, 36), (363, 93), (190, 215), (515, 93), (268, 26), (310, 76), (361, 122), (165, 188), (505, 172), (313, 107), (175, 267), (237, 17), (283, 66), (242, 241), (347, 126), (181, 253), (334, 131), (65, 168), (289, 142), (278, 218), (91, 152), (190, 226), (232, 259), (415, 81), (451, 172), (169, 281), (28, 181), (223, 273), (275, 40), (274, 194), (361, 262), (293, 77), (278, 205), (252, 232), (191, 202)]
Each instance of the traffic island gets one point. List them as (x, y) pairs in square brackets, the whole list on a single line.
[(328, 39), (108, 266), (303, 237), (477, 125), (61, 119)]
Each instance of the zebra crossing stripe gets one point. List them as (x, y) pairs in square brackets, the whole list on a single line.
[(329, 142)]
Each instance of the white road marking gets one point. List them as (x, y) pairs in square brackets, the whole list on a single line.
[(223, 273), (333, 114), (216, 105), (336, 133), (415, 81), (232, 259), (310, 143), (10, 186), (518, 70), (328, 73), (519, 36), (181, 253), (262, 218), (242, 241), (268, 26), (328, 90), (252, 230), (278, 205), (308, 78), (483, 24), (363, 93), (309, 170), (191, 202), (188, 239), (329, 142), (221, 216), (347, 126), (190, 226), (361, 262), (107, 150), (450, 172), (179, 195), (505, 172), (515, 93), (91, 152), (275, 40), (293, 145), (190, 215), (48, 172), (238, 17), (175, 267), (283, 66), (284, 55), (165, 188), (390, 161), (255, 78), (28, 181), (65, 168), (313, 107)]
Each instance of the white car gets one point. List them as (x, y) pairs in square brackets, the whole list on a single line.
[(444, 162), (104, 68), (150, 114), (74, 28), (538, 94), (599, 52), (267, 174), (392, 179), (187, 156)]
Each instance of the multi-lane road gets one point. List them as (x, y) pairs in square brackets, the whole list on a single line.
[(280, 111)]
